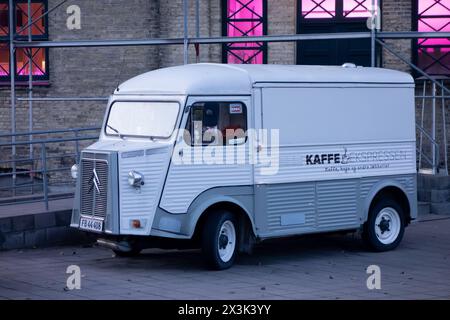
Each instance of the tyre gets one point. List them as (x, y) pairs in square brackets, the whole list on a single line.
[(385, 225), (126, 254), (219, 240)]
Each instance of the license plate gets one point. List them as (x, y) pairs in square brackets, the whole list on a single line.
[(91, 224)]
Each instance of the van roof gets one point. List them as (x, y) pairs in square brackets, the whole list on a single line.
[(210, 78)]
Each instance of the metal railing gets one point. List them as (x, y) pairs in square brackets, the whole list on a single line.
[(43, 174), (438, 129)]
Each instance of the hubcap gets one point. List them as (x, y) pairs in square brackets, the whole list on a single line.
[(387, 225), (226, 241)]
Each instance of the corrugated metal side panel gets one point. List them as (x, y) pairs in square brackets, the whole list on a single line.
[(337, 204), (285, 199), (141, 203), (406, 181), (293, 167), (185, 182)]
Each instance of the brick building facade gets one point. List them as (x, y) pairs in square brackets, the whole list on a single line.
[(88, 72)]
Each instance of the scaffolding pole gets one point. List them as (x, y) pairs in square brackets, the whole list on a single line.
[(13, 87), (185, 32), (197, 29), (30, 80), (373, 26)]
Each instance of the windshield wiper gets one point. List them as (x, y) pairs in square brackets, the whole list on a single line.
[(116, 131)]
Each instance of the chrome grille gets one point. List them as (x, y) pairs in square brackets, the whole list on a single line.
[(94, 186)]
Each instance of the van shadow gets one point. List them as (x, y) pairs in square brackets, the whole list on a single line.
[(270, 252)]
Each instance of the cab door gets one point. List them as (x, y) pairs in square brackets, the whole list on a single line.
[(211, 155)]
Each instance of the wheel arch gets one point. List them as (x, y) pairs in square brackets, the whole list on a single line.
[(391, 189), (200, 213), (241, 204)]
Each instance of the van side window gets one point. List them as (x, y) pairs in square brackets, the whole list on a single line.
[(216, 123)]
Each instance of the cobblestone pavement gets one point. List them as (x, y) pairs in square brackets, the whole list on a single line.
[(314, 267)]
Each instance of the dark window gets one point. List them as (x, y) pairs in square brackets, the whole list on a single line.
[(243, 18), (432, 55), (217, 123), (39, 31), (333, 16)]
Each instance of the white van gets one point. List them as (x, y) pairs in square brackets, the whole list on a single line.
[(228, 155)]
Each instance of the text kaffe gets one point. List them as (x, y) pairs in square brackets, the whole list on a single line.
[(325, 158)]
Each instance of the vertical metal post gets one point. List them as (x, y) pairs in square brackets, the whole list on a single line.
[(186, 35), (44, 174), (373, 26), (433, 126), (444, 129), (421, 123), (12, 73), (30, 83), (197, 27), (77, 147)]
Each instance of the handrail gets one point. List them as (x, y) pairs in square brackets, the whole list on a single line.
[(3, 135), (41, 172), (18, 143)]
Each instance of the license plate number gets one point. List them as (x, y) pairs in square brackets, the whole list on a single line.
[(91, 224)]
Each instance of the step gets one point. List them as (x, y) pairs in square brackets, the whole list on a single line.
[(440, 196), (433, 182), (423, 208), (30, 225), (440, 208)]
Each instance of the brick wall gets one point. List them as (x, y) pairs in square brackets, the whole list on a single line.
[(282, 20), (397, 16), (96, 71), (88, 71)]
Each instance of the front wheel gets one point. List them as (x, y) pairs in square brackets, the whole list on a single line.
[(219, 240), (127, 254), (385, 225)]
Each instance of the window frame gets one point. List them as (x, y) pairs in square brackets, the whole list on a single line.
[(225, 21), (415, 47), (189, 124), (37, 79)]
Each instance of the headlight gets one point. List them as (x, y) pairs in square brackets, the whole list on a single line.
[(74, 171), (135, 179)]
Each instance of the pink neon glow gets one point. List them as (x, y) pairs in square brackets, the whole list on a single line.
[(433, 7), (251, 11), (428, 22), (358, 9), (318, 8), (313, 9), (252, 56)]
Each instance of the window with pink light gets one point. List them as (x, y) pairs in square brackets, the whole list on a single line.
[(244, 18), (358, 8), (4, 60), (23, 57), (38, 64), (336, 9), (318, 9), (433, 55)]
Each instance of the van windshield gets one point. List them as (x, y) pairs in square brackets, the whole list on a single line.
[(142, 119)]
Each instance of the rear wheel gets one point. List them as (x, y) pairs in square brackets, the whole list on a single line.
[(385, 225), (219, 240)]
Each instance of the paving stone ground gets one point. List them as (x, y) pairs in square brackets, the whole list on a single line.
[(313, 267)]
